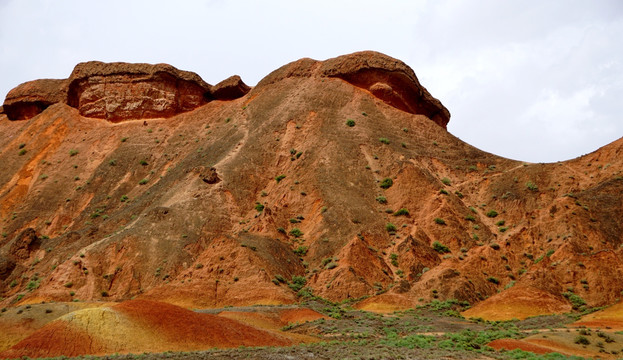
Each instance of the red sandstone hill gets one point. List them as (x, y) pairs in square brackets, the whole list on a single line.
[(136, 180)]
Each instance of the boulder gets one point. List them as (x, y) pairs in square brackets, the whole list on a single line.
[(25, 243), (121, 91)]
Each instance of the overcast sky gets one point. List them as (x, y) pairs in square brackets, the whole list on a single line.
[(537, 81)]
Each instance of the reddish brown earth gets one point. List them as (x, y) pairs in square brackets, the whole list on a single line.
[(166, 208), (512, 344)]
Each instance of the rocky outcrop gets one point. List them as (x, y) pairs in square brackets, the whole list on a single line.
[(389, 79), (25, 243), (31, 98), (231, 88), (121, 91)]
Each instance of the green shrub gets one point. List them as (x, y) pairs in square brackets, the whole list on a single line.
[(279, 178), (350, 123), (531, 186), (22, 152), (440, 248), (296, 232), (493, 280), (470, 218), (143, 162), (384, 141), (301, 250), (440, 221), (492, 213), (576, 301), (297, 282), (142, 182), (581, 340), (387, 183), (390, 227), (500, 223), (446, 181), (443, 191), (402, 212), (73, 152), (259, 207), (381, 199)]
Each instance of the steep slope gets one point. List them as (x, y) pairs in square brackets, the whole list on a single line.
[(301, 181)]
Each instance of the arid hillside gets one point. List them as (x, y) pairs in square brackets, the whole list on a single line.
[(335, 177)]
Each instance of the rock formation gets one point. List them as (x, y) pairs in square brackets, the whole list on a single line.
[(31, 98), (121, 91)]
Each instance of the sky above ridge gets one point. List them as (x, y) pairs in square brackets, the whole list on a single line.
[(537, 81)]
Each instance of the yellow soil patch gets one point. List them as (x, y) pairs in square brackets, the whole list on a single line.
[(385, 303), (518, 303)]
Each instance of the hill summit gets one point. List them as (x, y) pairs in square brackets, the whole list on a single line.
[(335, 178)]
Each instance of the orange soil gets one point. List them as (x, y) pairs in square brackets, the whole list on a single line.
[(518, 302), (58, 338), (611, 317), (184, 326), (560, 348), (385, 303), (512, 344)]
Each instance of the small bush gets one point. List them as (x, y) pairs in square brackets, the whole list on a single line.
[(440, 221), (492, 213), (143, 182), (500, 223), (495, 246), (387, 183), (381, 199), (384, 141), (443, 191), (22, 152), (350, 123), (470, 218), (143, 162), (446, 181), (296, 232), (390, 227), (73, 152), (301, 250), (440, 248), (494, 280), (531, 186), (581, 340), (68, 284), (279, 178), (259, 207), (124, 198), (402, 212), (297, 282)]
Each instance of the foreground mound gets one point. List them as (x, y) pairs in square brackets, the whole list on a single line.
[(139, 326), (518, 303)]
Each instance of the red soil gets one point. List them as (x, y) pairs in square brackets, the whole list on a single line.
[(512, 344), (58, 338)]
